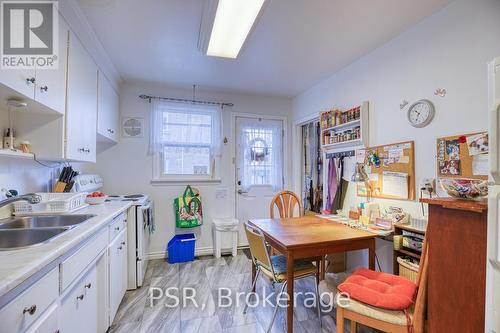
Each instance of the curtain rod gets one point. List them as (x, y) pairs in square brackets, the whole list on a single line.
[(181, 100)]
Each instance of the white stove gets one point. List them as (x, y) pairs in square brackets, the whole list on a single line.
[(136, 199), (140, 225)]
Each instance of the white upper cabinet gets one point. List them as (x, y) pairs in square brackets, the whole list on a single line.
[(45, 86), (81, 104), (107, 110), (50, 86), (21, 80)]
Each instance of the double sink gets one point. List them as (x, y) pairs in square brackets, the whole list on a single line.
[(22, 232)]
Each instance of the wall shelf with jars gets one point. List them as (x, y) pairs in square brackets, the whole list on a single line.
[(344, 128)]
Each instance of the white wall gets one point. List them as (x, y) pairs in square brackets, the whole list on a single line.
[(126, 167), (18, 174), (449, 49)]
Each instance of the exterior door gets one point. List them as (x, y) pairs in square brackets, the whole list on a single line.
[(259, 166)]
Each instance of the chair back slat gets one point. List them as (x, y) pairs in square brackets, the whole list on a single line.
[(258, 247), (285, 202), (421, 300)]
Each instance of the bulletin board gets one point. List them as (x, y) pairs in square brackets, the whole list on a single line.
[(463, 156), (396, 169)]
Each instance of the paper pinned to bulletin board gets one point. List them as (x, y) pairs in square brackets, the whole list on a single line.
[(463, 156), (392, 176)]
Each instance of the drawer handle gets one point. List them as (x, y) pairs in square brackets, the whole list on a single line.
[(121, 247), (123, 243), (117, 228), (80, 297), (88, 285), (30, 80), (44, 88), (31, 310)]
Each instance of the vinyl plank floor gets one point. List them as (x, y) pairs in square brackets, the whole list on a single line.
[(209, 280)]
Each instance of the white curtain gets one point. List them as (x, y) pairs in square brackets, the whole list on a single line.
[(159, 135), (261, 153)]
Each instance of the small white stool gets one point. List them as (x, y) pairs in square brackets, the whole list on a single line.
[(221, 226)]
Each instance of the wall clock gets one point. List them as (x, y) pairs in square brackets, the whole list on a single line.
[(421, 113)]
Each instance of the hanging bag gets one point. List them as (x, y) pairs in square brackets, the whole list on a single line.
[(188, 211)]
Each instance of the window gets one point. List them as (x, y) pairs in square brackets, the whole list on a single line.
[(186, 140), (260, 156)]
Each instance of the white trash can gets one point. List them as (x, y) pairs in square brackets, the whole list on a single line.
[(221, 228)]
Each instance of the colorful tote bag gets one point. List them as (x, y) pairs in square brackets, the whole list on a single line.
[(188, 211)]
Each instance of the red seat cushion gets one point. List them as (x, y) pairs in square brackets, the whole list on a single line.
[(378, 289)]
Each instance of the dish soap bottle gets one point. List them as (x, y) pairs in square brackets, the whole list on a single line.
[(8, 139)]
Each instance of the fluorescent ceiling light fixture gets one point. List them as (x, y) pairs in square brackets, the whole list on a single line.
[(233, 22)]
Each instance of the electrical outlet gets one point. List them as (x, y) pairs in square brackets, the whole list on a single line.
[(427, 185)]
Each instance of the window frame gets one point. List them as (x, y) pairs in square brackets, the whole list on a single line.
[(160, 178)]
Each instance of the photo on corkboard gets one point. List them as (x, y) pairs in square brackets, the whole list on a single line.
[(453, 149), (449, 168), (477, 144)]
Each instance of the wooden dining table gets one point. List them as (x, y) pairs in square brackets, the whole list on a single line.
[(310, 237)]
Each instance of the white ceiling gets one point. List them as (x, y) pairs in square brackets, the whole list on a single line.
[(295, 44)]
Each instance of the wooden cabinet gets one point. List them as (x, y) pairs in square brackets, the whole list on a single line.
[(81, 109), (117, 272), (78, 306), (456, 235), (46, 86), (107, 110)]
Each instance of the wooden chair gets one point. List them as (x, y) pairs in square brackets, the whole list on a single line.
[(275, 269), (285, 201), (387, 320)]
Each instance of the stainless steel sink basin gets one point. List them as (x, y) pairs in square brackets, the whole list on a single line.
[(21, 238), (44, 221)]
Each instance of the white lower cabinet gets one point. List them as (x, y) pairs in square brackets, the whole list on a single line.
[(78, 312), (48, 323), (81, 294), (117, 271), (26, 308)]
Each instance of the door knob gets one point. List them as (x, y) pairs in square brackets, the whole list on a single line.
[(242, 192)]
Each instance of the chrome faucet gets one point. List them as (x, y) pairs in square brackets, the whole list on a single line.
[(32, 198)]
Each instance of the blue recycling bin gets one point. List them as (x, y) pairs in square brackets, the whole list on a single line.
[(181, 248)]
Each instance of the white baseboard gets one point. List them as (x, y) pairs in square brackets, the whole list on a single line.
[(199, 251)]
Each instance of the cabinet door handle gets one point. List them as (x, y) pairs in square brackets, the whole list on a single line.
[(88, 285), (123, 243), (31, 310), (44, 88), (81, 297), (111, 131), (117, 228), (30, 80), (120, 248)]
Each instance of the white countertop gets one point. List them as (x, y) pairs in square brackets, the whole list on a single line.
[(18, 265)]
